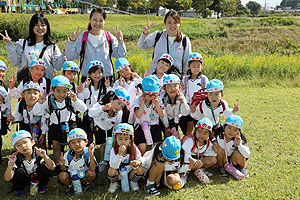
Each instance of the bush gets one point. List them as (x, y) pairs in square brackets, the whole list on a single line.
[(16, 29)]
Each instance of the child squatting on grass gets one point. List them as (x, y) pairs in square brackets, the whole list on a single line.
[(28, 163)]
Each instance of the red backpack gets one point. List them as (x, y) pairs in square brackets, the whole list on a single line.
[(199, 97)]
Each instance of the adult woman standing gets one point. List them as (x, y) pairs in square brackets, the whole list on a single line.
[(39, 44), (100, 45), (170, 41)]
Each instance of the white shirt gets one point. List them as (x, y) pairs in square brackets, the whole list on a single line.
[(230, 147), (76, 164), (33, 52), (30, 166), (115, 160), (96, 40)]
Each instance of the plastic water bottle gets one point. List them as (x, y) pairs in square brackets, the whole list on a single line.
[(76, 182), (175, 133), (234, 171), (108, 146), (124, 179), (147, 133), (34, 185)]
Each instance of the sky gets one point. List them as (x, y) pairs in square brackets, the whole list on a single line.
[(271, 3)]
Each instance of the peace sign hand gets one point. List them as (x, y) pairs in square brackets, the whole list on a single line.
[(76, 34), (42, 152), (42, 98), (11, 82), (148, 27), (61, 159), (5, 37), (73, 96), (13, 158), (87, 82), (118, 34), (107, 82)]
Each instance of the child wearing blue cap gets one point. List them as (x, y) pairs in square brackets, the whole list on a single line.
[(127, 79), (79, 160), (198, 150), (124, 154), (5, 110), (107, 114), (23, 114), (231, 145), (148, 110), (60, 109), (37, 70), (213, 106), (175, 105), (71, 70), (28, 163), (194, 81), (161, 164), (94, 88)]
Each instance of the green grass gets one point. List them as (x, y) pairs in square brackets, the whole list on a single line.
[(271, 116)]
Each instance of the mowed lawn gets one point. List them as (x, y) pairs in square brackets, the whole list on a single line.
[(271, 117)]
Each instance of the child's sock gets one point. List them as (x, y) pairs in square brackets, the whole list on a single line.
[(136, 178), (149, 183)]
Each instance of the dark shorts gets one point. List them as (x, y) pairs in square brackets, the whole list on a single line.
[(100, 135), (183, 123), (139, 136), (55, 132)]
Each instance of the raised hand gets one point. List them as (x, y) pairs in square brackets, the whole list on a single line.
[(91, 148), (155, 100), (147, 28), (61, 160), (76, 34), (107, 82), (87, 82), (122, 80), (122, 150), (135, 163), (194, 163), (236, 108), (237, 140), (5, 37), (193, 108), (42, 98), (147, 72), (182, 82), (73, 96), (42, 152), (10, 117), (106, 106), (180, 97), (11, 82), (53, 74), (13, 157), (118, 34), (80, 88)]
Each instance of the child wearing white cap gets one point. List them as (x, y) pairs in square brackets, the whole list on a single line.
[(163, 64), (71, 70), (124, 154), (37, 70), (27, 163), (4, 113), (79, 160), (231, 145)]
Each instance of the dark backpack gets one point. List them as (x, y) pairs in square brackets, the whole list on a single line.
[(68, 105), (20, 158)]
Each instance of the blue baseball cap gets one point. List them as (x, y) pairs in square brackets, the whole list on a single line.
[(123, 95), (195, 56), (19, 135), (234, 120), (214, 85), (204, 123), (171, 79), (38, 62), (60, 81), (76, 133), (95, 63), (150, 84), (166, 57), (3, 65), (3, 93), (31, 85), (171, 148), (121, 63), (71, 66), (124, 128)]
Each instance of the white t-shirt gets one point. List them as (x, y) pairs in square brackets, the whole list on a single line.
[(33, 52)]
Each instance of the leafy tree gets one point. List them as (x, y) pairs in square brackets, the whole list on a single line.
[(178, 4), (155, 4), (100, 2), (289, 3), (226, 7), (202, 7), (254, 7), (240, 9), (123, 4)]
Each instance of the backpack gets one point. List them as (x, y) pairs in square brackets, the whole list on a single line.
[(194, 143), (20, 158), (68, 105), (206, 99), (199, 97), (86, 156)]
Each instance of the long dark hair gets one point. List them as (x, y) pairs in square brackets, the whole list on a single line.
[(131, 150), (98, 10), (176, 17), (33, 21)]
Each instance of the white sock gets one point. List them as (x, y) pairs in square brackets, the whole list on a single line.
[(149, 183)]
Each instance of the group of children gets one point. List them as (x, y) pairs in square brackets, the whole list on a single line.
[(124, 117)]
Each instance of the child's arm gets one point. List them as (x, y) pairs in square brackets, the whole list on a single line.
[(77, 104), (73, 48), (197, 114), (92, 160), (184, 107), (62, 161), (228, 111), (40, 108), (16, 116), (115, 159), (243, 149), (9, 172), (48, 162), (139, 112), (118, 46), (159, 109), (15, 92), (97, 109)]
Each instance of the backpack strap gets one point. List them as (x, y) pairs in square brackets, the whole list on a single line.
[(223, 106), (24, 44), (109, 39), (22, 106), (184, 47), (157, 37), (83, 48), (200, 107), (43, 51), (48, 85)]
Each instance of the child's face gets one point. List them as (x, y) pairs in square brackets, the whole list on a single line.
[(31, 96), (215, 97), (202, 134), (60, 93), (162, 66), (2, 74), (37, 72), (24, 146), (97, 75), (40, 29), (231, 132), (172, 89), (195, 67), (123, 139), (78, 145), (71, 75), (117, 105), (97, 21), (125, 72), (149, 97)]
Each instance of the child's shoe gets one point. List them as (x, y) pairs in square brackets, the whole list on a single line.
[(223, 171), (244, 171), (134, 186), (113, 187), (69, 190), (151, 189), (43, 189), (90, 187), (200, 174), (20, 193)]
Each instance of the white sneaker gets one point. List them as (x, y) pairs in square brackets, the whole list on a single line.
[(113, 187), (134, 186)]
